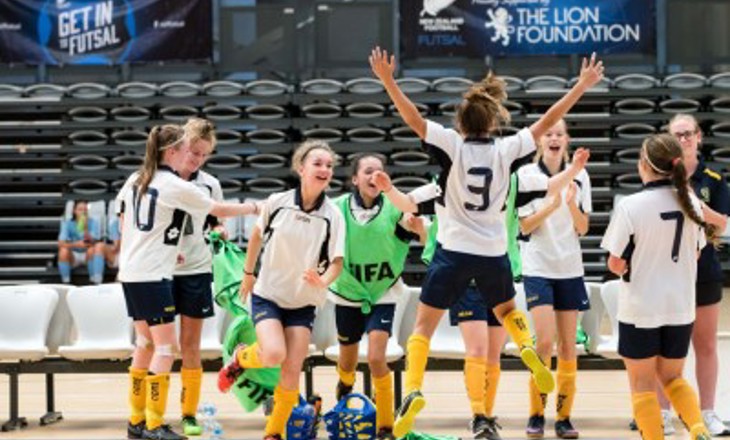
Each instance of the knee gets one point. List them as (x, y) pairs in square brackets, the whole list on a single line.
[(544, 345), (272, 355), (64, 255), (376, 359), (477, 351), (566, 350), (705, 346), (99, 248)]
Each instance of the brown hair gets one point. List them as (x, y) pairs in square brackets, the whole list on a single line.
[(161, 138), (481, 110), (663, 154), (300, 154), (566, 156), (199, 128), (684, 116)]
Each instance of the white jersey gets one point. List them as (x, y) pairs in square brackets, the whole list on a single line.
[(660, 245), (553, 249), (294, 241), (197, 257), (152, 224), (475, 183)]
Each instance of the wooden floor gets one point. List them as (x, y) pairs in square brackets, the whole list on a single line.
[(94, 406)]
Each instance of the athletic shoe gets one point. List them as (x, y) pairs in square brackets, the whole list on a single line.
[(406, 414), (162, 432), (385, 434), (565, 429), (667, 422), (633, 426), (493, 427), (714, 424), (482, 429), (190, 426), (342, 390), (699, 432), (536, 427), (543, 377), (229, 373), (134, 432)]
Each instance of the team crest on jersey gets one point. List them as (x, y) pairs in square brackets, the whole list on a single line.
[(705, 194)]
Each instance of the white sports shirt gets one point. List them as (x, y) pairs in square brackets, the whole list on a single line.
[(197, 257), (153, 224), (553, 249), (294, 241), (660, 245), (470, 212)]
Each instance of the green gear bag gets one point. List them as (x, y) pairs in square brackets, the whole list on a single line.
[(254, 386)]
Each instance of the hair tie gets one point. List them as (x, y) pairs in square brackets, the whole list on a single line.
[(675, 161)]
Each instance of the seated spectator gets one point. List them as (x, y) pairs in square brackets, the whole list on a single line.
[(80, 242), (111, 250)]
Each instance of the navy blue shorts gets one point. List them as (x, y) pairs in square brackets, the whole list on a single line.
[(352, 323), (193, 295), (562, 294), (471, 307), (450, 274), (149, 300), (262, 309), (669, 341), (708, 293)]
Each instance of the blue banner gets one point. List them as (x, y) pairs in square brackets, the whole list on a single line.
[(104, 31), (476, 28)]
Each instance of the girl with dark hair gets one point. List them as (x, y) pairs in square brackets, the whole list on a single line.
[(654, 239)]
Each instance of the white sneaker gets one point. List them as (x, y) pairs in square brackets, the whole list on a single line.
[(714, 424), (668, 422)]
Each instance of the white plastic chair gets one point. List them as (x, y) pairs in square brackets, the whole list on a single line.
[(60, 329), (393, 350), (103, 329), (25, 314), (447, 342), (608, 345), (591, 320)]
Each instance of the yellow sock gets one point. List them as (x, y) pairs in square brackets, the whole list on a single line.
[(190, 394), (137, 393), (490, 393), (684, 400), (157, 388), (249, 357), (475, 370), (567, 371), (284, 401), (416, 359), (384, 401), (537, 400), (648, 415), (346, 377), (515, 322)]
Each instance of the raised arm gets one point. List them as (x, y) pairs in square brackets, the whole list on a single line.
[(400, 200), (557, 182), (383, 67), (591, 73)]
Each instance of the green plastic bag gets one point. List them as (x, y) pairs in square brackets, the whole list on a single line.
[(254, 386), (423, 436)]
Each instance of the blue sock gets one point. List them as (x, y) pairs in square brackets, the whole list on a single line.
[(96, 269), (65, 270)]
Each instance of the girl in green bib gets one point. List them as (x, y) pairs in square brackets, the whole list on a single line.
[(376, 245)]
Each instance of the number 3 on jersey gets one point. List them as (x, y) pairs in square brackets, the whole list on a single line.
[(486, 175)]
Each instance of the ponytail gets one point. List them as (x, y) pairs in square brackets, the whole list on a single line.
[(481, 109), (663, 154), (160, 139)]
